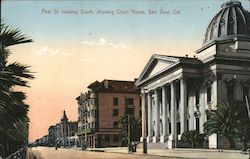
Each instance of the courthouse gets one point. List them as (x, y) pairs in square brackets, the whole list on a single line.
[(179, 92)]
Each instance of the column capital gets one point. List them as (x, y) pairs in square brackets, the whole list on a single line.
[(156, 90), (183, 79), (143, 90), (163, 87), (172, 83)]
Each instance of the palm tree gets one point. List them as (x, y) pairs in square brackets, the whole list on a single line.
[(135, 129), (229, 120), (13, 110)]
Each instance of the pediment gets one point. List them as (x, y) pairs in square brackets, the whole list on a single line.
[(156, 65)]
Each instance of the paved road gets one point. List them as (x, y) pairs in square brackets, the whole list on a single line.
[(186, 153), (51, 153)]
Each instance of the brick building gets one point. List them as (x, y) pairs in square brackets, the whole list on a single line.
[(101, 108)]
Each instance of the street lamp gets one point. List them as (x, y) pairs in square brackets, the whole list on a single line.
[(144, 130), (129, 148)]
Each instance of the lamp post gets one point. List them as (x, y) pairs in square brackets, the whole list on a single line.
[(129, 148), (144, 130)]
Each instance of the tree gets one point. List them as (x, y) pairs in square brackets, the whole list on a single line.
[(13, 110), (231, 121), (192, 137), (135, 129)]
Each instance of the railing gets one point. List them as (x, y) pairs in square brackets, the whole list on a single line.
[(130, 105), (19, 154)]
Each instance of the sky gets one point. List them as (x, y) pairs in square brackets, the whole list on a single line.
[(80, 41)]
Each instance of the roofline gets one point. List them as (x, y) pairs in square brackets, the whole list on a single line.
[(117, 80), (221, 40), (178, 63)]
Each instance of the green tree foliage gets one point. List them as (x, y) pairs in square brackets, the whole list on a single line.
[(231, 121), (192, 137), (13, 110), (135, 129)]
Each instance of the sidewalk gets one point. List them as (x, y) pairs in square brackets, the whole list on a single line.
[(182, 153)]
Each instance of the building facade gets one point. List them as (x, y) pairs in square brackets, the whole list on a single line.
[(101, 108), (180, 91), (62, 134)]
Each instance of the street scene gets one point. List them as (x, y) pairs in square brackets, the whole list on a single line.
[(126, 79), (121, 153), (42, 153)]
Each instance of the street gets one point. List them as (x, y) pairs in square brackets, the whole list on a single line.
[(51, 153)]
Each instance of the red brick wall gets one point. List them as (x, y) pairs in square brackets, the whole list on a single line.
[(105, 102)]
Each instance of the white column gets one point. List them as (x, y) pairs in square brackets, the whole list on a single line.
[(216, 98), (164, 134), (172, 136), (183, 106), (150, 129), (214, 90), (167, 112), (238, 90), (157, 120), (202, 108), (191, 110)]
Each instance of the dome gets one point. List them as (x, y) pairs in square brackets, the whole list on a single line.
[(231, 21)]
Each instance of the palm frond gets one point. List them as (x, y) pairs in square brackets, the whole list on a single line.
[(11, 36)]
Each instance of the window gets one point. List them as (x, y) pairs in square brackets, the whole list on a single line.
[(115, 101), (94, 101), (95, 113), (115, 124), (107, 138), (209, 94), (116, 138), (93, 125), (115, 112), (197, 97), (129, 102)]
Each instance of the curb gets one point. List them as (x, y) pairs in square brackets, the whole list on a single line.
[(140, 154)]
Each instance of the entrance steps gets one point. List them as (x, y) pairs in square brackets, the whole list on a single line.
[(157, 145)]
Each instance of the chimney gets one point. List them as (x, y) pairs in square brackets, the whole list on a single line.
[(106, 84), (135, 80)]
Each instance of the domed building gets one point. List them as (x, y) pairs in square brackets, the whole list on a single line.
[(179, 92)]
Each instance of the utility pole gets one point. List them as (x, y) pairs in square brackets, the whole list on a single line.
[(129, 134), (144, 130)]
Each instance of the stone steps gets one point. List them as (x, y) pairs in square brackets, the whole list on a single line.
[(154, 145)]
